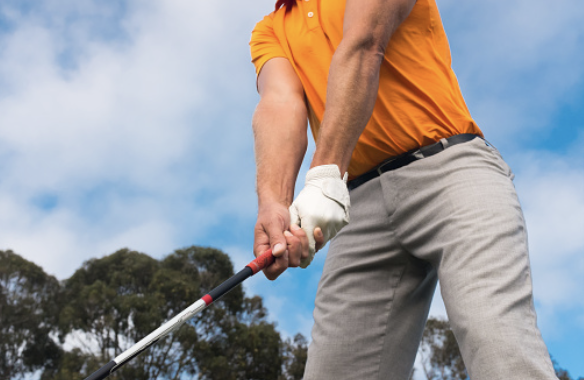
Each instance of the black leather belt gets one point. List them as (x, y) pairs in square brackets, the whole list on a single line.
[(409, 157)]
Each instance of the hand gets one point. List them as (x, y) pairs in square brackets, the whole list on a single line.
[(289, 243), (321, 208)]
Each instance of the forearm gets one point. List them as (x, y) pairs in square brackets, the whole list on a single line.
[(279, 127), (351, 93), (353, 80)]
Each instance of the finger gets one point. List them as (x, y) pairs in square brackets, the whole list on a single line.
[(294, 217), (277, 268), (294, 249), (262, 244), (301, 236), (309, 231), (318, 239), (261, 240), (277, 241)]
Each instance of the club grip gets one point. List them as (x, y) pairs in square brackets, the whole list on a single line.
[(262, 261), (103, 372)]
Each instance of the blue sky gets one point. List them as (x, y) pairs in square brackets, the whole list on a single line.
[(127, 124)]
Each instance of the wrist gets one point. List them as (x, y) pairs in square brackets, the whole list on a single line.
[(333, 146), (268, 195), (325, 161), (325, 172), (269, 200)]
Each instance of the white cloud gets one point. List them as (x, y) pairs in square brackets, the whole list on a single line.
[(141, 137), (551, 189), (518, 61)]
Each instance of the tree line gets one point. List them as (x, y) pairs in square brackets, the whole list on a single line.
[(59, 330), (68, 329)]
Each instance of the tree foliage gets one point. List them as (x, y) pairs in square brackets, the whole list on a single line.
[(68, 330), (295, 355), (440, 354), (441, 359), (112, 302), (561, 373), (28, 314)]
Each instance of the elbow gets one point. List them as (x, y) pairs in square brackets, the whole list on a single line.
[(369, 36), (292, 102)]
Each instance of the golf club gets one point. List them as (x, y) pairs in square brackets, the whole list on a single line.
[(262, 261)]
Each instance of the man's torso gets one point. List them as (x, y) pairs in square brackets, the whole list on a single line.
[(419, 100)]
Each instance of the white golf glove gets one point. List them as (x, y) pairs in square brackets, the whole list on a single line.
[(324, 202)]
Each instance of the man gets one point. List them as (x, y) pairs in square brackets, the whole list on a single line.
[(429, 198)]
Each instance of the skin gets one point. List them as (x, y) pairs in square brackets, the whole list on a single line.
[(280, 123)]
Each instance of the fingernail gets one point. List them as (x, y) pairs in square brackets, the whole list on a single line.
[(288, 234), (294, 227), (318, 232), (278, 248)]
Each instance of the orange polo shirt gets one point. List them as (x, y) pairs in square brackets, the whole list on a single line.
[(419, 100)]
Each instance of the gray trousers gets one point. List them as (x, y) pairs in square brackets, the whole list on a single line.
[(455, 217)]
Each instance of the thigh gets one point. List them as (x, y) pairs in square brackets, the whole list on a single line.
[(473, 231), (373, 298)]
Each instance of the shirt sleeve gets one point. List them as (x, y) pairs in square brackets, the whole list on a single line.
[(264, 43)]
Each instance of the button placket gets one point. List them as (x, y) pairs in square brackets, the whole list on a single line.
[(311, 14)]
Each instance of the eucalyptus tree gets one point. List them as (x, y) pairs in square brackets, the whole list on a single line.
[(112, 302), (28, 317), (439, 352)]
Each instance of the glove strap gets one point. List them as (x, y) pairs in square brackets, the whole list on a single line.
[(325, 172)]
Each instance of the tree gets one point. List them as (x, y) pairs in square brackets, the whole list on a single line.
[(112, 302), (561, 373), (295, 355), (28, 315), (441, 359)]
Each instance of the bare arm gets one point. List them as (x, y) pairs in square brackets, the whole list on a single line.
[(354, 76), (280, 126)]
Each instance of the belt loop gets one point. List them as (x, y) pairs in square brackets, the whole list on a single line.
[(489, 143), (418, 154), (444, 143)]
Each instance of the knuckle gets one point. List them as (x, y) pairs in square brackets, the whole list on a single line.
[(277, 237), (300, 233), (272, 274), (294, 242)]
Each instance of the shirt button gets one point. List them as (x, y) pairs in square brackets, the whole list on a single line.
[(310, 14)]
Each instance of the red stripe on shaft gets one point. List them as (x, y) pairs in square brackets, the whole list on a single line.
[(208, 299)]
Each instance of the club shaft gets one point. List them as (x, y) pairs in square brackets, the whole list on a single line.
[(262, 261)]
